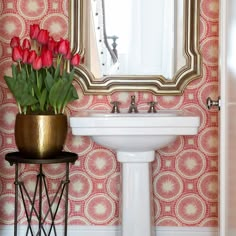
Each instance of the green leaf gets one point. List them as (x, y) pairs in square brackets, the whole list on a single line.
[(71, 96), (49, 81), (54, 93), (14, 71), (35, 107), (61, 93), (10, 83), (36, 90), (57, 72), (40, 81), (43, 99), (32, 77), (71, 75), (27, 100), (65, 87), (22, 76)]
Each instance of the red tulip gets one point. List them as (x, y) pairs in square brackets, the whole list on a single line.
[(68, 56), (75, 60), (37, 63), (56, 48), (25, 55), (31, 57), (63, 47), (34, 31), (26, 44), (43, 36), (47, 58), (52, 44), (17, 54), (15, 42)]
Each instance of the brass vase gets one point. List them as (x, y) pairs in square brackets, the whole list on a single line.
[(40, 136)]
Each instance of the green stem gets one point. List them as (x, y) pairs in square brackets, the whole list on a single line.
[(63, 110), (64, 67), (19, 107), (37, 78), (27, 71), (19, 65), (25, 110), (59, 59)]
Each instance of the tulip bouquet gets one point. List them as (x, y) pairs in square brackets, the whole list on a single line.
[(40, 82)]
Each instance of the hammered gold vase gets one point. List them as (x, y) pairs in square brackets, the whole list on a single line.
[(40, 136)]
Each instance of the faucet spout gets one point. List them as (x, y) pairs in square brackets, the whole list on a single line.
[(133, 107)]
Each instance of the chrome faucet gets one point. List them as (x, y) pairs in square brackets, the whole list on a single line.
[(152, 108), (133, 106), (115, 108)]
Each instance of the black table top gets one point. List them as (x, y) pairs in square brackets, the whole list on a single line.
[(62, 157)]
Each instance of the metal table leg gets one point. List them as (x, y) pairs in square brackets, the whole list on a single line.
[(66, 197), (16, 200)]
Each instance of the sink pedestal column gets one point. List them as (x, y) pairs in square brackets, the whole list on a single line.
[(136, 193)]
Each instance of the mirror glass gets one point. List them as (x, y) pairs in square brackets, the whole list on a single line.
[(135, 45)]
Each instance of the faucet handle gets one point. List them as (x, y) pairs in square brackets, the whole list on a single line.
[(152, 108), (133, 99), (133, 107), (115, 108)]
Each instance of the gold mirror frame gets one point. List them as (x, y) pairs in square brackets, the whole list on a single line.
[(156, 84)]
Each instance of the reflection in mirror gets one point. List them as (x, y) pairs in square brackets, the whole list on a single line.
[(132, 44), (155, 49)]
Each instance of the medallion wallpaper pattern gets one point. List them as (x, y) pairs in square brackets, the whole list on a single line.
[(185, 174)]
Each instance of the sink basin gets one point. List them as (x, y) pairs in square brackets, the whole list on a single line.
[(136, 132)]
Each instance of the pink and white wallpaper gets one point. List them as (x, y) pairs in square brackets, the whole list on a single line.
[(185, 174)]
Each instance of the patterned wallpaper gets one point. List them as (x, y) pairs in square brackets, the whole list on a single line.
[(185, 174)]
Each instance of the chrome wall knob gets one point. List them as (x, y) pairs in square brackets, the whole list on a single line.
[(213, 103)]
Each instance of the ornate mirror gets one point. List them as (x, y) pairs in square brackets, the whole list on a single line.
[(129, 45)]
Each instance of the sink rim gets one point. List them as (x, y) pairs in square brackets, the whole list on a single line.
[(185, 123), (152, 120)]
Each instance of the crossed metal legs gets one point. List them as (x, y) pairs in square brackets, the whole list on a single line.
[(32, 210)]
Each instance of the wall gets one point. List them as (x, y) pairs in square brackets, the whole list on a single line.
[(185, 174)]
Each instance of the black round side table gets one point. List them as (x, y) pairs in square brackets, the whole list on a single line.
[(33, 210)]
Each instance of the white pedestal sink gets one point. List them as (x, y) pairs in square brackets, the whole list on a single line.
[(135, 137)]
